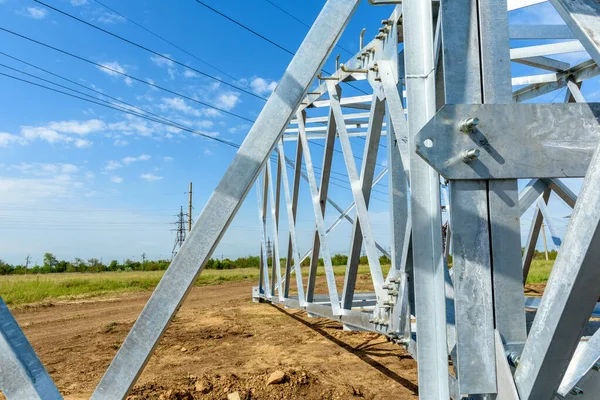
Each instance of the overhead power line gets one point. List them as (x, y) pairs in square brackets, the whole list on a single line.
[(292, 16), (172, 44), (175, 125), (263, 37), (170, 59), (125, 74)]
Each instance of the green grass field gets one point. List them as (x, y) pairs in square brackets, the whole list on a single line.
[(22, 289)]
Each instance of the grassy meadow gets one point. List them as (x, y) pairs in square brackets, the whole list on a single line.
[(22, 289)]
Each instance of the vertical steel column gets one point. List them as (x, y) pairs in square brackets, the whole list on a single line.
[(293, 251), (275, 221), (225, 201), (366, 179), (318, 197), (264, 285), (474, 314), (425, 206), (569, 298), (294, 206), (322, 197), (503, 195)]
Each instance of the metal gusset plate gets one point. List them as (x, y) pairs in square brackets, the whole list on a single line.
[(507, 141)]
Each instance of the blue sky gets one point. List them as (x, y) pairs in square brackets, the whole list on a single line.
[(80, 180)]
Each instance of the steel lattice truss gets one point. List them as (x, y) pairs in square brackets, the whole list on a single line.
[(440, 74)]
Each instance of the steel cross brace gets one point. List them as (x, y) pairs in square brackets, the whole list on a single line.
[(225, 201)]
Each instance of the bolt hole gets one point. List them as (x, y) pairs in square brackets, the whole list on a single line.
[(428, 143)]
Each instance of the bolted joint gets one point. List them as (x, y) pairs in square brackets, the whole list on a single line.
[(387, 22), (470, 155), (392, 292), (576, 391), (467, 125), (514, 359), (374, 68), (381, 36)]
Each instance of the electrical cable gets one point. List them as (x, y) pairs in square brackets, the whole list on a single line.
[(150, 50), (125, 75), (263, 37), (172, 44)]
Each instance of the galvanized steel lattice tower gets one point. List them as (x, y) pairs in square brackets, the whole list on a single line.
[(441, 82)]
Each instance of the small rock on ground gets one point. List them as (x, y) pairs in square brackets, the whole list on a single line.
[(203, 387), (276, 377), (233, 396)]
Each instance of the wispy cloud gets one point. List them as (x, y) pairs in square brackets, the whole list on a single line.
[(34, 12), (63, 131), (228, 100), (165, 63), (116, 179), (189, 74), (168, 159), (77, 3), (263, 86), (82, 143), (116, 69), (129, 160), (7, 139), (112, 165), (150, 177), (179, 105), (121, 142)]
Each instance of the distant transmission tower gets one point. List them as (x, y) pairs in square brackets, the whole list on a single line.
[(180, 232)]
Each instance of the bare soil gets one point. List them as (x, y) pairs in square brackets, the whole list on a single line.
[(218, 344)]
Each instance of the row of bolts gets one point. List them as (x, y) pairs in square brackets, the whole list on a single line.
[(364, 55)]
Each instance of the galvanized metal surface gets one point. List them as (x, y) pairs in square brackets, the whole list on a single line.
[(555, 140), (452, 53)]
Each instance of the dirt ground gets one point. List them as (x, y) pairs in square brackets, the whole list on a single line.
[(219, 343)]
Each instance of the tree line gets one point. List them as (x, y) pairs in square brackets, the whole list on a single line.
[(53, 265)]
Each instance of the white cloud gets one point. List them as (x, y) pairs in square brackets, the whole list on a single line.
[(208, 152), (112, 165), (263, 86), (120, 143), (76, 127), (46, 169), (129, 160), (7, 138), (82, 143), (60, 131), (179, 105), (150, 177), (116, 69), (106, 17), (228, 100), (132, 127), (168, 159), (189, 74), (34, 12), (162, 62), (116, 179), (43, 133), (77, 3)]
